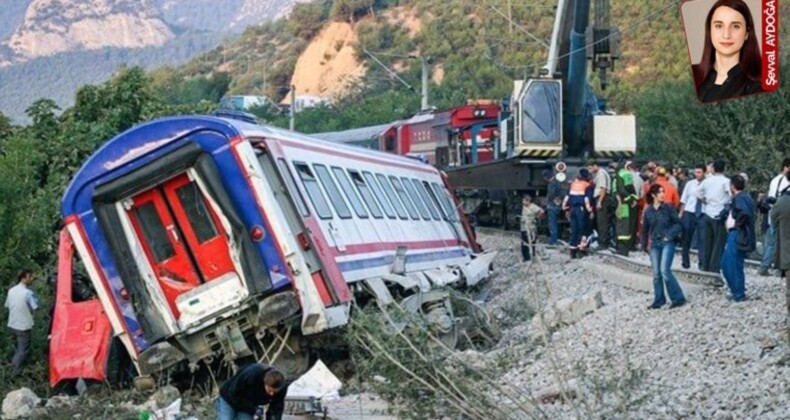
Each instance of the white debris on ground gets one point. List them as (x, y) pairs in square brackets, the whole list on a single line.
[(708, 359), (20, 404)]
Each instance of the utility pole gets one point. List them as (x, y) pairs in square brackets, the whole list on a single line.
[(425, 69), (292, 123)]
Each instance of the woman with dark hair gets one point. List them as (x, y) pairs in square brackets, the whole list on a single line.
[(662, 226), (731, 65)]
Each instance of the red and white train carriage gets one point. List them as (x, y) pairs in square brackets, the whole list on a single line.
[(212, 237)]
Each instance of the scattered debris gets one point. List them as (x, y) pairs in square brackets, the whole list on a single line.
[(562, 392), (59, 402), (20, 403), (565, 311), (306, 394), (165, 396)]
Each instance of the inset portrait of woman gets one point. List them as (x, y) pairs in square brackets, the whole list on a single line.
[(726, 62)]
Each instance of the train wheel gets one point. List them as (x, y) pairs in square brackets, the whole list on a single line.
[(441, 322), (436, 313), (479, 328)]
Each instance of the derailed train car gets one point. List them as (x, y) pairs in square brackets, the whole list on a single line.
[(208, 238)]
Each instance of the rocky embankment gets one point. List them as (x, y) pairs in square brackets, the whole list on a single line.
[(708, 359)]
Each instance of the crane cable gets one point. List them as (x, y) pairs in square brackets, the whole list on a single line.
[(631, 27)]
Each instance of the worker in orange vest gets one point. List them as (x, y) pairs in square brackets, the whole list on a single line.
[(671, 195)]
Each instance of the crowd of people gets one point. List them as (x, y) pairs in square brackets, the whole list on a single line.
[(656, 208)]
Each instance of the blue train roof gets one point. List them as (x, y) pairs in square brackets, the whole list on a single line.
[(125, 151), (134, 143)]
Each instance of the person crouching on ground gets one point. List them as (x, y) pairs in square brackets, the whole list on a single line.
[(253, 386), (662, 226), (741, 238), (529, 226)]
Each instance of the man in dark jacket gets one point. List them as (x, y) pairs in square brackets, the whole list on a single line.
[(780, 219), (253, 386), (555, 193), (741, 238)]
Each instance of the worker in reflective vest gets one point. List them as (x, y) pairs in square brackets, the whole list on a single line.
[(623, 188), (578, 203)]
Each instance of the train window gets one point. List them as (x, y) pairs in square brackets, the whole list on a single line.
[(352, 196), (449, 208), (385, 204), (416, 198), (313, 190), (331, 189), (291, 186), (438, 211), (404, 197), (392, 196), (422, 190), (367, 196), (197, 213), (389, 144), (154, 232)]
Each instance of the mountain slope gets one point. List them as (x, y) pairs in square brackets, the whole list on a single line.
[(54, 26), (13, 12), (49, 48)]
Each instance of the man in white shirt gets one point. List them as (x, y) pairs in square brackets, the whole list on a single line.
[(692, 216), (714, 193), (21, 302), (778, 184), (602, 184)]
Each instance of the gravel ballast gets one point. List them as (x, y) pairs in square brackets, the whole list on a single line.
[(708, 359)]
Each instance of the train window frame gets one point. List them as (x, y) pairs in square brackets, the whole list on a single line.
[(154, 232), (330, 187), (290, 185), (349, 191), (386, 206), (444, 198), (415, 197), (393, 197), (404, 197), (313, 190), (197, 213), (421, 187), (365, 193)]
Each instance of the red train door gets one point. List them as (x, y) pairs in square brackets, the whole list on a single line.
[(181, 235)]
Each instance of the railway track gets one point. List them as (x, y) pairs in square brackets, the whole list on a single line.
[(640, 266), (701, 278), (748, 263)]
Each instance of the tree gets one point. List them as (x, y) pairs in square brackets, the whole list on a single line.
[(306, 19), (348, 10), (5, 127), (749, 133)]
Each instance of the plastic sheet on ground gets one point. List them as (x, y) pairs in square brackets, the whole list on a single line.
[(319, 383)]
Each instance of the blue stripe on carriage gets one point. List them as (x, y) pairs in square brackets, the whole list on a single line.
[(365, 263)]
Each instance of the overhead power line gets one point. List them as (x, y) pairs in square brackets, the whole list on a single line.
[(629, 28)]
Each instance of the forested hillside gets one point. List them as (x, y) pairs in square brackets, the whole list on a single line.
[(472, 43)]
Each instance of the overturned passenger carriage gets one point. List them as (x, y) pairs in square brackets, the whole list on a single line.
[(209, 237)]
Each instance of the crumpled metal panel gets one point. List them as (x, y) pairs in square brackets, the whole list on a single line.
[(81, 332)]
